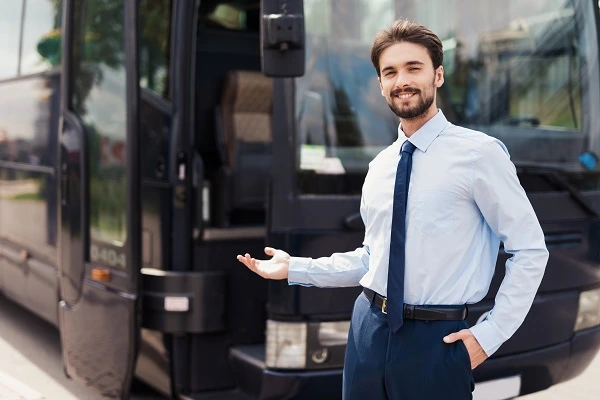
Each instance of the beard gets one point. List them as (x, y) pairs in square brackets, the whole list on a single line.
[(423, 104)]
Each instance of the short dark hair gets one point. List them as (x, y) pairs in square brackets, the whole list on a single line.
[(407, 31)]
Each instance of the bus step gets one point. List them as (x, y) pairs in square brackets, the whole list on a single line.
[(248, 363)]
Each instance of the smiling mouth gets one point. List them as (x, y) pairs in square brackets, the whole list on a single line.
[(405, 96)]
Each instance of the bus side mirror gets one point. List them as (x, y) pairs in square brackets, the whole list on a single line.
[(282, 38)]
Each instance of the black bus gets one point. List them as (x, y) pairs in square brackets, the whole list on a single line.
[(143, 146)]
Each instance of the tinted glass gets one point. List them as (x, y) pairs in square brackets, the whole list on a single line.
[(99, 100), (41, 36), (10, 25), (155, 40), (29, 120), (525, 72), (31, 197)]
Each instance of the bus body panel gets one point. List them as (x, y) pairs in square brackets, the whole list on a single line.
[(98, 339)]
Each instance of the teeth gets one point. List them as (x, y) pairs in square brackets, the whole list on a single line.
[(406, 96)]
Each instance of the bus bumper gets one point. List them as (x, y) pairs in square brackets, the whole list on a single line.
[(539, 369)]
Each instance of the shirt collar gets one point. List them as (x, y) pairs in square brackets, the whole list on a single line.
[(427, 133)]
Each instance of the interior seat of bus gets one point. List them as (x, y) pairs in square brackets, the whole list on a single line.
[(243, 133), (233, 119)]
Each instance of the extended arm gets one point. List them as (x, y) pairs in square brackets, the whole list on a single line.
[(337, 270)]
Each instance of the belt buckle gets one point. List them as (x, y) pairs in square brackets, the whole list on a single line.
[(384, 306)]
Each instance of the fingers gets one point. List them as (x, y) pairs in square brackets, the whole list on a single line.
[(252, 263), (269, 251), (460, 335), (246, 260), (451, 338)]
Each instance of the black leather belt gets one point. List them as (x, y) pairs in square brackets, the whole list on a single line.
[(424, 313)]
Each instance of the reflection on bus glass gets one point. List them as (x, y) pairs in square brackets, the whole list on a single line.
[(30, 194), (10, 19), (41, 36), (155, 45), (513, 70), (99, 98), (32, 36), (28, 113)]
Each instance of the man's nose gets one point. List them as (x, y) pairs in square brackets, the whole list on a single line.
[(402, 80)]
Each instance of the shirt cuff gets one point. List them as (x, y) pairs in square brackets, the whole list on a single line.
[(488, 335), (298, 271)]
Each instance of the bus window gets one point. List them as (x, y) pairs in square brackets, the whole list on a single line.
[(41, 36), (514, 70), (99, 100), (29, 108), (30, 194), (10, 24), (28, 114), (155, 17)]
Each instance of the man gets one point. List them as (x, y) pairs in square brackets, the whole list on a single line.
[(435, 204)]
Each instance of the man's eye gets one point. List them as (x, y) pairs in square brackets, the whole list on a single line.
[(389, 73), (414, 69)]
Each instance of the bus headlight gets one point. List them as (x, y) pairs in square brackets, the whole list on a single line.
[(286, 344), (588, 314), (306, 345)]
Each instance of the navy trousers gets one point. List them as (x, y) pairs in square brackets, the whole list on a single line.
[(412, 364)]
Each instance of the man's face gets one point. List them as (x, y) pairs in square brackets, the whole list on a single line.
[(408, 81)]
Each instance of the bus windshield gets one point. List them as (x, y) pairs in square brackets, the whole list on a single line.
[(525, 72)]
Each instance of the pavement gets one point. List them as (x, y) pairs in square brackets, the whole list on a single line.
[(13, 389), (31, 364)]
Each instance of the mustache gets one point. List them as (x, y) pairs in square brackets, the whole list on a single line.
[(397, 92)]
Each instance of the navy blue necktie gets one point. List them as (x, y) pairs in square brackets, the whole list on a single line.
[(395, 287)]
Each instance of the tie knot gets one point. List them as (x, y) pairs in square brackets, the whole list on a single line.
[(407, 147)]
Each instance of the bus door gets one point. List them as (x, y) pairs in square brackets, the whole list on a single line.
[(99, 258)]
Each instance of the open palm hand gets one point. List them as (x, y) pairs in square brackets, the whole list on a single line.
[(275, 268)]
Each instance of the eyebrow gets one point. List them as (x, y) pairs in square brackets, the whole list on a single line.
[(414, 63), (406, 64)]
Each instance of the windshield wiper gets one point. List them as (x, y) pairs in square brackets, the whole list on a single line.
[(553, 174)]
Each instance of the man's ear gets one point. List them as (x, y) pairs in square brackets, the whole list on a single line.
[(380, 86), (439, 76)]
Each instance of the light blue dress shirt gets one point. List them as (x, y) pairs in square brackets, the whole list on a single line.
[(464, 198)]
